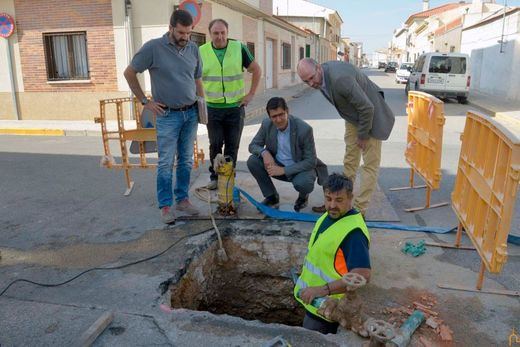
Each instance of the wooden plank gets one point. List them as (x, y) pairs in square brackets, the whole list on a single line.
[(89, 336), (485, 291)]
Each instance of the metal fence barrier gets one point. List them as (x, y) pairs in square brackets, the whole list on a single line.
[(424, 144), (485, 191), (142, 136)]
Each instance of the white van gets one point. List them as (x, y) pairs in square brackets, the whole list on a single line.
[(445, 75)]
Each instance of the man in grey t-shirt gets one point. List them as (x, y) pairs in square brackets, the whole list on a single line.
[(175, 72)]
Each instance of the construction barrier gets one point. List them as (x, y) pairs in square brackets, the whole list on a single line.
[(424, 143), (486, 185), (145, 137)]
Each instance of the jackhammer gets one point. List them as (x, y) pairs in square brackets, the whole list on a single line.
[(223, 166)]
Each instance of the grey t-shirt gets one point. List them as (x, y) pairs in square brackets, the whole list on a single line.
[(173, 71)]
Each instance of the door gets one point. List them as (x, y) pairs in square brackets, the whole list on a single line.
[(437, 73), (457, 75), (415, 75), (268, 64)]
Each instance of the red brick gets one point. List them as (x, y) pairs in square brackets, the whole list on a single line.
[(93, 17)]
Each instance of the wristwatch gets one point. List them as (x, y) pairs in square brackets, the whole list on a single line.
[(144, 101)]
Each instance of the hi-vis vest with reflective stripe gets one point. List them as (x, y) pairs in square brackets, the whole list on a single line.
[(223, 83), (318, 266)]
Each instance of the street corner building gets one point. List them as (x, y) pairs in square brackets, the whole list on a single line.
[(66, 55)]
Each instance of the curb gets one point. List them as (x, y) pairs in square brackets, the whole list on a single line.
[(482, 106), (255, 112), (33, 132)]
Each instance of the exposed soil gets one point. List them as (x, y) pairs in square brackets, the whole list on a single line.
[(251, 284), (255, 284)]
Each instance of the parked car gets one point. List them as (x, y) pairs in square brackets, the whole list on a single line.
[(381, 65), (402, 74), (391, 67), (445, 75)]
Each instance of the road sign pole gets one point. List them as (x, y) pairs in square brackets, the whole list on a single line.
[(6, 30), (10, 69)]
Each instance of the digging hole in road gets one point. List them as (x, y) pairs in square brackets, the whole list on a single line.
[(254, 284)]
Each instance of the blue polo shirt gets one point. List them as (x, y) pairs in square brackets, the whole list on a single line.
[(354, 245), (173, 70)]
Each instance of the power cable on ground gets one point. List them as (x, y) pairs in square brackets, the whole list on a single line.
[(106, 268)]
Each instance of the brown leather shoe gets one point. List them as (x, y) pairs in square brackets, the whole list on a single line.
[(319, 209)]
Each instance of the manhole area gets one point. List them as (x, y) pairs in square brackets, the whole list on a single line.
[(254, 283)]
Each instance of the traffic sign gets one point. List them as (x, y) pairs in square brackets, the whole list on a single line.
[(6, 25), (193, 7)]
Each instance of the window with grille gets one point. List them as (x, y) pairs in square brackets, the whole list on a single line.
[(251, 48), (302, 53), (286, 56), (198, 38), (66, 56)]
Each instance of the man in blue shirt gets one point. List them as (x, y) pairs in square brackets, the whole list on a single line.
[(175, 69), (343, 227), (284, 149)]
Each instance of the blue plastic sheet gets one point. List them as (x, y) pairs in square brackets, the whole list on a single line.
[(309, 217)]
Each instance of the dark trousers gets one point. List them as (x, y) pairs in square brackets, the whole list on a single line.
[(303, 181), (312, 322), (224, 130)]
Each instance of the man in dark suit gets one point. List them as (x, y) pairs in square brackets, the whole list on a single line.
[(368, 119), (284, 149)]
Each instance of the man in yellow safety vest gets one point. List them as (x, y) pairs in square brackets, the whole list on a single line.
[(339, 244), (223, 62)]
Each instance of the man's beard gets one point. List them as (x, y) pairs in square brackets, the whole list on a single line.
[(181, 42)]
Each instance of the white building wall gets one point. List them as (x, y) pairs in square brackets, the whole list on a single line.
[(444, 42), (492, 72)]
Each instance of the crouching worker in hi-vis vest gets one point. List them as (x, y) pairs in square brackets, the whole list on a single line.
[(338, 244)]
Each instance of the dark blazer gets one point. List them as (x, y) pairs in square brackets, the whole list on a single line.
[(303, 149), (358, 100)]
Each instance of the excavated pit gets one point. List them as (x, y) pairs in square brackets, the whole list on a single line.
[(254, 283)]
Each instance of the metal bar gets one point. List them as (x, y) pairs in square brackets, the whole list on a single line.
[(415, 209), (447, 245), (406, 188), (428, 197), (124, 151), (11, 79), (459, 235), (480, 280), (485, 291)]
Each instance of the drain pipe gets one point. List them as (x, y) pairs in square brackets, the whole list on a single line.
[(11, 78), (129, 46)]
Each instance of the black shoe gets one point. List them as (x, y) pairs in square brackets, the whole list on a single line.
[(272, 201), (301, 203), (319, 209)]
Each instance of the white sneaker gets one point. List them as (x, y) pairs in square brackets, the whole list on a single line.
[(212, 185), (186, 207), (167, 215)]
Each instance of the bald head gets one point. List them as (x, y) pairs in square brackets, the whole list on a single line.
[(310, 72)]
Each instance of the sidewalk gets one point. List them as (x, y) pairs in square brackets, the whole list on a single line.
[(492, 104), (89, 128)]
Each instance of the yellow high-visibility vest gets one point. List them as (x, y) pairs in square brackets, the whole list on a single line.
[(318, 266), (223, 83)]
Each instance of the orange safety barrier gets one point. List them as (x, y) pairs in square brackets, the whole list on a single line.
[(424, 143), (486, 186), (142, 136)]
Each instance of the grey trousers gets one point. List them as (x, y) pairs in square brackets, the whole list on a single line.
[(303, 181)]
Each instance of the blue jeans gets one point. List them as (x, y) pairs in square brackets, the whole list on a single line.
[(176, 132)]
